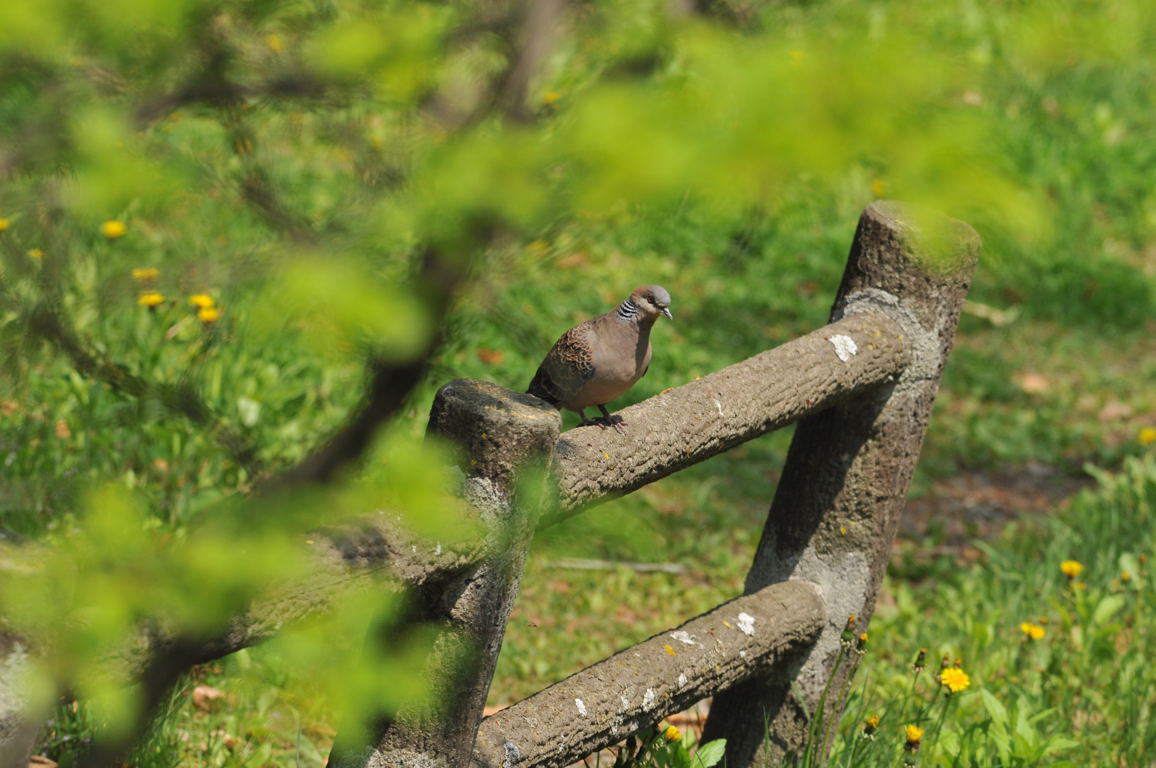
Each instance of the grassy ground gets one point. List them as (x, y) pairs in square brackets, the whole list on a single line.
[(1056, 662), (1061, 385)]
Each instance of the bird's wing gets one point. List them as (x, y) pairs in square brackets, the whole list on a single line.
[(568, 367)]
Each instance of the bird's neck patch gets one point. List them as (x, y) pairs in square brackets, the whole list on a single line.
[(626, 310)]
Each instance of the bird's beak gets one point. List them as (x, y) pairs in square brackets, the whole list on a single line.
[(666, 312)]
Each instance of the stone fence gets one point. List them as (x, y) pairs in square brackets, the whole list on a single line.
[(861, 390)]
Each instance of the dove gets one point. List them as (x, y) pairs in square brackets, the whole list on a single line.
[(597, 361)]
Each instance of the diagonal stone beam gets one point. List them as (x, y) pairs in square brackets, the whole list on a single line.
[(635, 688)]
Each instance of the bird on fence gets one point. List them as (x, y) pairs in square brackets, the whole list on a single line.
[(599, 360)]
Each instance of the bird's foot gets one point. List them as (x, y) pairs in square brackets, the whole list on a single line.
[(614, 420)]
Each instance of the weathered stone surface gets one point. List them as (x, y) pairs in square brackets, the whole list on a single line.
[(637, 687), (498, 430), (705, 417), (837, 506)]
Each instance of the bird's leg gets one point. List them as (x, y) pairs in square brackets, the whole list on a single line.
[(583, 421), (611, 421)]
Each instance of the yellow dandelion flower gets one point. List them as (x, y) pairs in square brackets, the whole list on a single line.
[(861, 643), (1032, 631), (878, 187), (954, 679), (37, 254), (1071, 568), (870, 725), (112, 229), (208, 315), (4, 224), (145, 274), (202, 301), (913, 733), (551, 98), (671, 733), (1125, 576), (1147, 436), (151, 299), (275, 42)]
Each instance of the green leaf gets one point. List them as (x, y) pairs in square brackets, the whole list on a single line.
[(999, 718), (1027, 738), (710, 754), (1060, 743), (342, 303), (995, 709), (1106, 609)]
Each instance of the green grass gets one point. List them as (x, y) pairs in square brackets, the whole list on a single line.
[(1076, 696)]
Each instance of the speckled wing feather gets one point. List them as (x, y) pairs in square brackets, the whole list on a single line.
[(567, 368)]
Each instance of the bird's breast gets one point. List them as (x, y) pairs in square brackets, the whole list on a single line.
[(615, 373)]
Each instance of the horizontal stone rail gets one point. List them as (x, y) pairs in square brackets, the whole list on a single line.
[(635, 688), (700, 419)]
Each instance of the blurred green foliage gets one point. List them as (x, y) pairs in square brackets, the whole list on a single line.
[(296, 162)]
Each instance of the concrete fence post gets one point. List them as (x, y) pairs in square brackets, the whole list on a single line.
[(837, 505), (500, 433)]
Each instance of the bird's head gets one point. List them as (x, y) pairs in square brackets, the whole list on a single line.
[(652, 301)]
